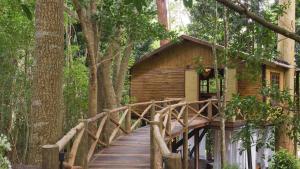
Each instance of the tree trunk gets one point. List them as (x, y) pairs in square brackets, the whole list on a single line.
[(162, 13), (286, 48), (46, 116), (90, 31), (120, 79), (216, 72)]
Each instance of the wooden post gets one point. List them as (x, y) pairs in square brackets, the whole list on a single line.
[(209, 110), (168, 128), (128, 120), (155, 156), (196, 144), (83, 149), (186, 139), (50, 154), (172, 161)]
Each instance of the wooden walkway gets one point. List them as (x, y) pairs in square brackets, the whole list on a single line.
[(130, 151)]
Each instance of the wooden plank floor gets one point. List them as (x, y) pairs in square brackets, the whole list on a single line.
[(132, 151), (127, 152)]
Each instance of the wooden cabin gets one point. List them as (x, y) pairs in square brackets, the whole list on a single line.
[(171, 72)]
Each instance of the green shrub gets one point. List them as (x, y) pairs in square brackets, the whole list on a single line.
[(227, 166), (4, 146), (284, 160)]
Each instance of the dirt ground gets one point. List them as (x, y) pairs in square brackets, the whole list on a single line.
[(21, 166)]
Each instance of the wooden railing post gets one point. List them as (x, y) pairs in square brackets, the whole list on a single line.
[(209, 110), (185, 139), (196, 144), (128, 120), (168, 129), (50, 157), (155, 157), (83, 149), (172, 161)]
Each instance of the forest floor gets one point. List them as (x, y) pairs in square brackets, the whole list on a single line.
[(21, 166)]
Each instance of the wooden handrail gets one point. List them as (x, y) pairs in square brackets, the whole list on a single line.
[(158, 137), (81, 131), (66, 139), (182, 118)]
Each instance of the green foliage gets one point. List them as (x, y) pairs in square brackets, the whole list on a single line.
[(75, 92), (284, 160), (227, 166), (258, 113), (248, 43), (16, 48), (4, 147)]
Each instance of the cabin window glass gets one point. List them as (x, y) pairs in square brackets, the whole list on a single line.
[(204, 88), (275, 79)]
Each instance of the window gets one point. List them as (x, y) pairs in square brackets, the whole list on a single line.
[(275, 79), (204, 86)]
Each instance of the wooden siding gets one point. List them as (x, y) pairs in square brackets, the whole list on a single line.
[(180, 55), (157, 84), (164, 74), (248, 87)]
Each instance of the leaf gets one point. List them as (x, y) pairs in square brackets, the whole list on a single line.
[(188, 3), (26, 11)]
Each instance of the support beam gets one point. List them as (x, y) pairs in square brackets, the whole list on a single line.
[(180, 142), (186, 139), (200, 139), (196, 146)]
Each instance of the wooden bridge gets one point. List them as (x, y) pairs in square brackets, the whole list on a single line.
[(145, 136)]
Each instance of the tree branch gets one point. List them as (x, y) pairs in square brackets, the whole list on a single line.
[(71, 13), (243, 11)]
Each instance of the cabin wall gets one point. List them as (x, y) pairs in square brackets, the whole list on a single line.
[(252, 87), (164, 74), (248, 86), (281, 71)]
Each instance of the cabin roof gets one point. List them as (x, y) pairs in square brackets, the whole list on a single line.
[(182, 38)]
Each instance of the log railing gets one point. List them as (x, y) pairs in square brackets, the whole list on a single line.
[(86, 136), (164, 123)]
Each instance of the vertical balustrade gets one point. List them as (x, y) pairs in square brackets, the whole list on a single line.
[(209, 110), (168, 128), (185, 139), (196, 144), (83, 147), (128, 120), (172, 161), (155, 157), (50, 157)]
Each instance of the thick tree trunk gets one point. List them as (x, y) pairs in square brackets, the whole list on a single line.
[(286, 48), (162, 13), (46, 116)]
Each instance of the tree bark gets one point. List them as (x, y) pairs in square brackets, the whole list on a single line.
[(162, 13), (46, 116), (277, 29), (90, 31), (120, 79), (286, 48)]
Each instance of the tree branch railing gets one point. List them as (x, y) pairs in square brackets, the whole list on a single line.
[(167, 121), (86, 137)]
